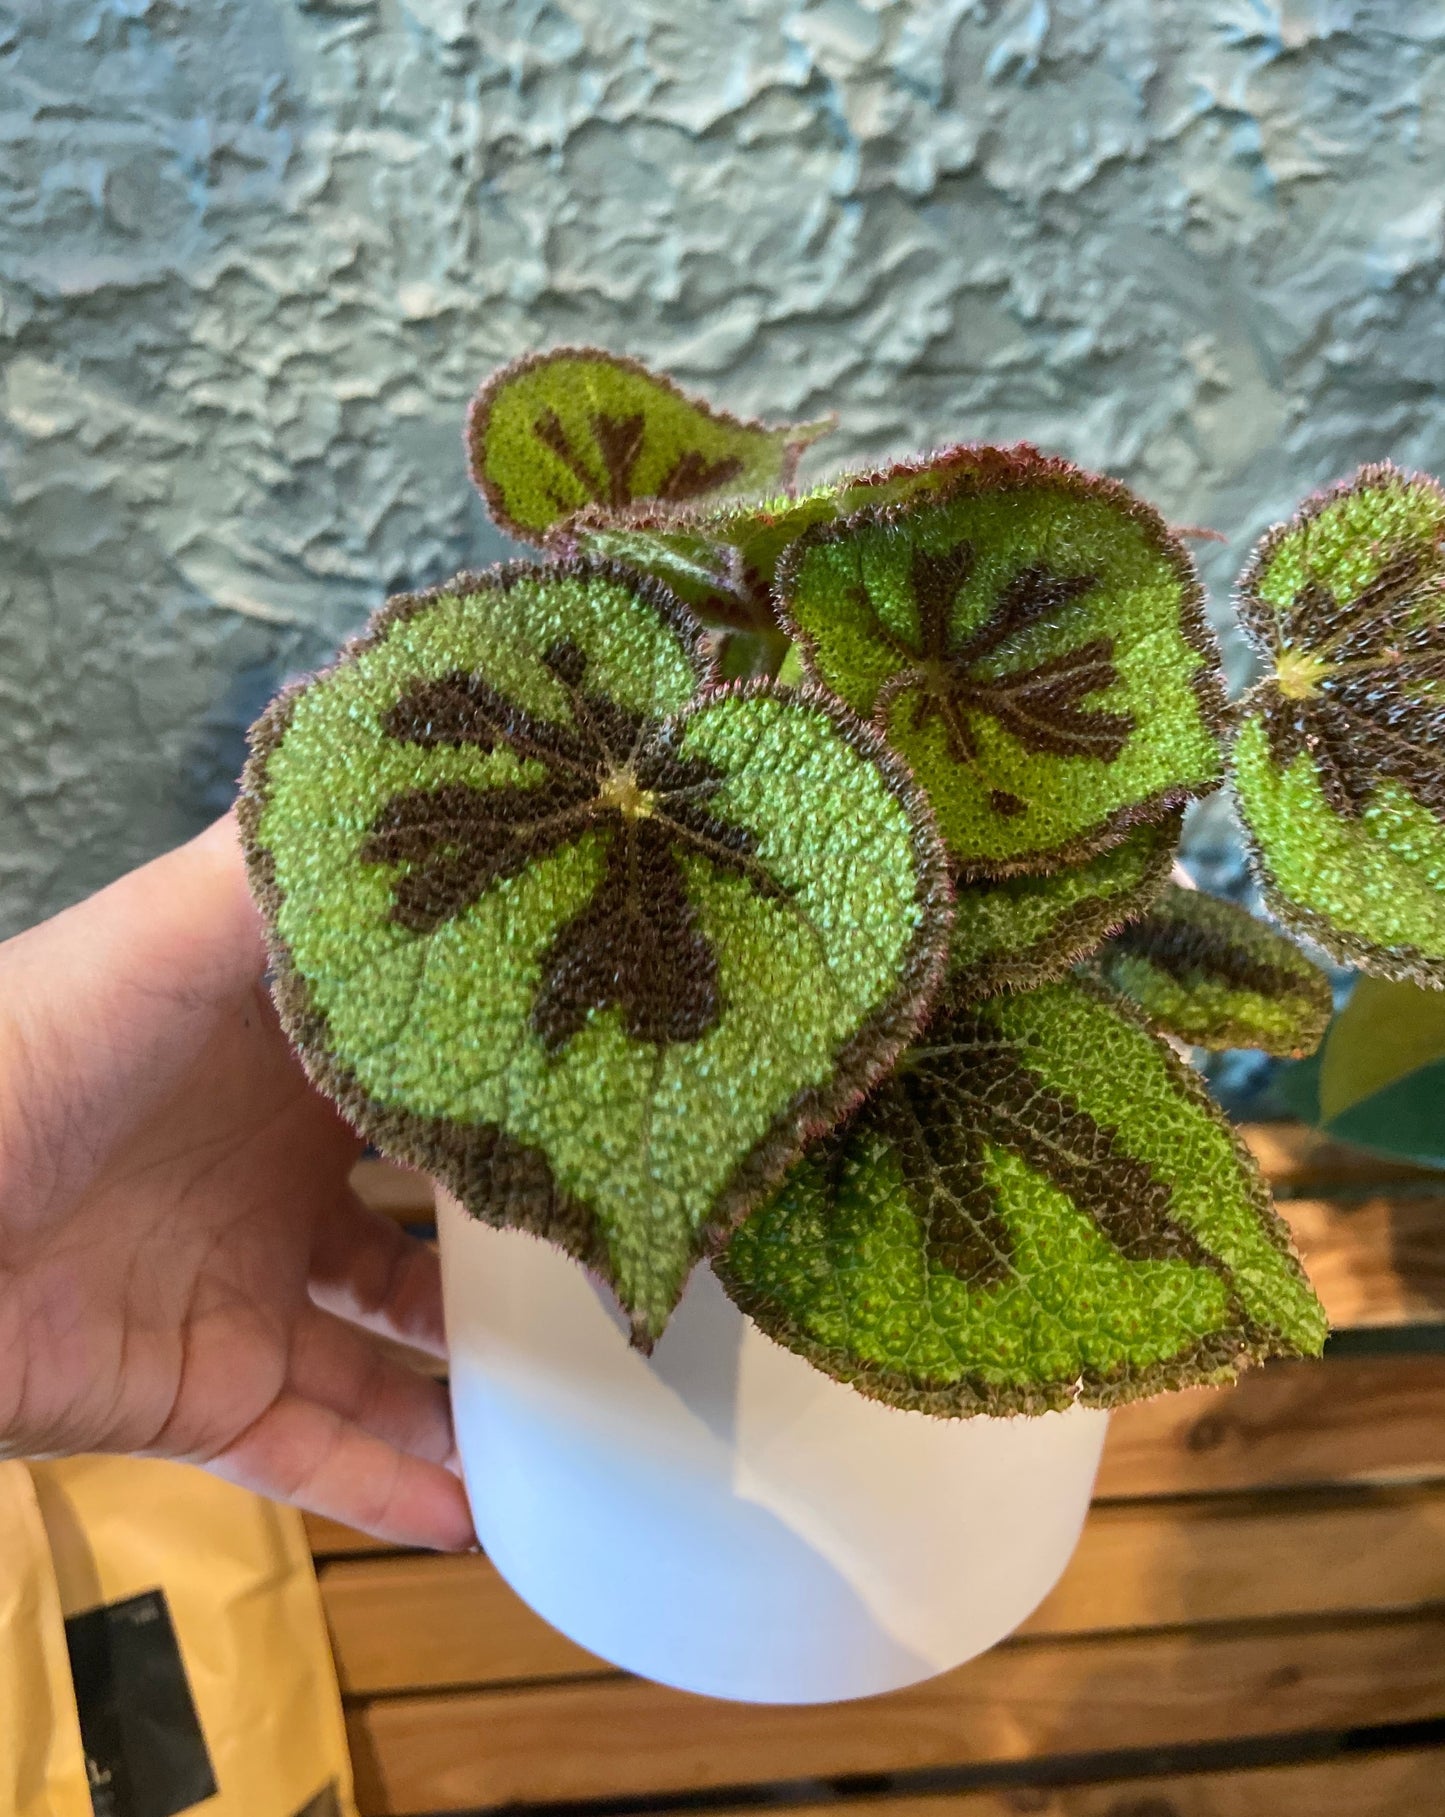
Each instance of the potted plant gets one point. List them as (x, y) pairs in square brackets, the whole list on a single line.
[(763, 899)]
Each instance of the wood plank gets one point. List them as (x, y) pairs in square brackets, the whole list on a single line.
[(1352, 1419), (617, 1737), (429, 1623), (1295, 1158), (1374, 1261), (330, 1539), (1248, 1558), (1406, 1784)]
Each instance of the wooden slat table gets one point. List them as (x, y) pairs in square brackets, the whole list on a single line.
[(1253, 1625)]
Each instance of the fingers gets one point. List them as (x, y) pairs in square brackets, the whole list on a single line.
[(107, 1009), (314, 1458), (359, 1437), (178, 935), (365, 1268), (337, 1366)]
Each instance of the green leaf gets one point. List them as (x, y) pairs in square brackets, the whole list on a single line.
[(1027, 931), (1385, 1032), (591, 947), (722, 559), (1339, 760), (1040, 1208), (689, 552), (719, 560), (1207, 972), (678, 548), (1032, 641), (556, 431)]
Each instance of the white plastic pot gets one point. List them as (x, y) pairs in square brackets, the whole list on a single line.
[(722, 1517)]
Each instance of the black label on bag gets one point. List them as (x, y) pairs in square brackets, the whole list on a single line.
[(144, 1751)]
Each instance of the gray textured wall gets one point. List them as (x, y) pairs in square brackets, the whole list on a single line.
[(254, 255)]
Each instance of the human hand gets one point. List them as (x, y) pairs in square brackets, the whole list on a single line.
[(184, 1270)]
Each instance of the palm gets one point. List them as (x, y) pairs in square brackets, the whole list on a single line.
[(186, 1270)]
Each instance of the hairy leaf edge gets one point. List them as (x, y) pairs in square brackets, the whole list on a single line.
[(479, 412), (1254, 617), (1079, 931), (1313, 989), (1020, 464), (1215, 1358), (445, 1150), (1398, 964)]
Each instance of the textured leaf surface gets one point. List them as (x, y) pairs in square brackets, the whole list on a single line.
[(1040, 1207), (1207, 972), (683, 551), (1385, 1032), (707, 573), (1032, 641), (722, 559), (554, 432), (592, 951), (1027, 931), (1339, 762)]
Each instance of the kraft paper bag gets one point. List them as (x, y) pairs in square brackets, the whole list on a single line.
[(197, 1671), (42, 1762)]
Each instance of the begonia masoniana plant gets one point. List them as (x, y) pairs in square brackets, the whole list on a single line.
[(781, 878)]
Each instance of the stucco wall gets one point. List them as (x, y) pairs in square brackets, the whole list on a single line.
[(254, 255)]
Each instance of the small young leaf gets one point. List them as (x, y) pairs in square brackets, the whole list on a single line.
[(1207, 972), (556, 431), (1385, 1032), (593, 948), (1040, 1208), (682, 551), (1027, 931), (722, 559), (1032, 640), (1339, 760)]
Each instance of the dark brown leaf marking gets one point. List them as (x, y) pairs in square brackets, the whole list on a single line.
[(1191, 953), (1041, 706), (964, 1233), (620, 438), (636, 945), (549, 430), (454, 843), (965, 1084), (1363, 720), (620, 441), (693, 474)]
